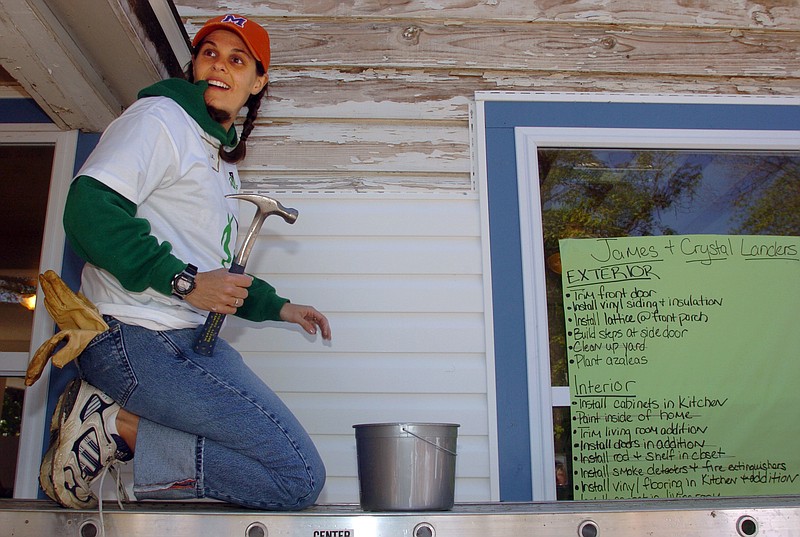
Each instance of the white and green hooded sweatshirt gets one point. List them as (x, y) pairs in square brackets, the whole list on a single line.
[(150, 199)]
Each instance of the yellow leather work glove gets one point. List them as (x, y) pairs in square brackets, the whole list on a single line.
[(69, 310), (77, 340), (78, 319)]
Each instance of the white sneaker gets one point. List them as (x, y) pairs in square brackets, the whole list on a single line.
[(84, 450)]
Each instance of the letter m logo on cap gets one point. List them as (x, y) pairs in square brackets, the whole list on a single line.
[(238, 21)]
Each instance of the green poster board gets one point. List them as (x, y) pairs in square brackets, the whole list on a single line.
[(684, 365)]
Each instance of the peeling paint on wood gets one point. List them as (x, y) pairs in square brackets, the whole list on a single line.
[(410, 69), (424, 94), (544, 47), (722, 13)]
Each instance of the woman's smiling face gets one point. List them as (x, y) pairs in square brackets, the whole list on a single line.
[(224, 61)]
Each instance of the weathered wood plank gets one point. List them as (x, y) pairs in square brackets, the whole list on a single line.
[(53, 70), (540, 46), (13, 92), (358, 156), (353, 147), (436, 94), (764, 14), (363, 181), (328, 154), (348, 157), (657, 83), (410, 95)]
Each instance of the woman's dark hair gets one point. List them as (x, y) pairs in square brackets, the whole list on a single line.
[(253, 104)]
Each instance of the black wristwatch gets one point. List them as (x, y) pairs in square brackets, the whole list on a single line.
[(183, 282)]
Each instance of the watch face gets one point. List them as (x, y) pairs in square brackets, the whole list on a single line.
[(183, 285), (183, 282)]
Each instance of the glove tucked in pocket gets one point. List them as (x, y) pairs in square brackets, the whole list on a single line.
[(75, 315)]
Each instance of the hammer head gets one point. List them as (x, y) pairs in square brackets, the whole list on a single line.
[(266, 206)]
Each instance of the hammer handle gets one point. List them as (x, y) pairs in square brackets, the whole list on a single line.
[(207, 340)]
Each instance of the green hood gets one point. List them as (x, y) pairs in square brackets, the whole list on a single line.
[(190, 97)]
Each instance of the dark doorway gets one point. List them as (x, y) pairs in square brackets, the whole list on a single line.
[(24, 189)]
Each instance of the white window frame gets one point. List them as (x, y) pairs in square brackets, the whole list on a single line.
[(34, 410), (542, 397)]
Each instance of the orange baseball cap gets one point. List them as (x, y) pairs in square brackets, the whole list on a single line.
[(253, 34)]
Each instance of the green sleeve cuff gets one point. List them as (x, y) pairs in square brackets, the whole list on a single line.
[(102, 228), (262, 303)]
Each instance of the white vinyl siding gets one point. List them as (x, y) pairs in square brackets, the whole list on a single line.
[(400, 278)]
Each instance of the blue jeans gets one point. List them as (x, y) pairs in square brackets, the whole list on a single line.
[(209, 427)]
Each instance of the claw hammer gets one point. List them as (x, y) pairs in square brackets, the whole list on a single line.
[(265, 207)]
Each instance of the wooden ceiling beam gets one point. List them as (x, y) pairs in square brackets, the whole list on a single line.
[(83, 61), (39, 53)]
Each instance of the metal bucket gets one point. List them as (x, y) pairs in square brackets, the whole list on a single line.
[(406, 466)]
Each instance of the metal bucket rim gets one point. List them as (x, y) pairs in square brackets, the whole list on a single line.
[(443, 432), (405, 424)]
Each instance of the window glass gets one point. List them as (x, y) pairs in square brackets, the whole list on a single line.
[(12, 393), (598, 193)]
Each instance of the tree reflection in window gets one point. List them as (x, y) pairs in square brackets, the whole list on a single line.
[(768, 202)]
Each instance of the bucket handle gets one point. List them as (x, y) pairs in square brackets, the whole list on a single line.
[(434, 444)]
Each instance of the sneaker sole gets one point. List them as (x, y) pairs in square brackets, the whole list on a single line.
[(46, 468)]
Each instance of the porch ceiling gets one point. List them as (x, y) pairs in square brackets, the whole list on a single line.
[(83, 61)]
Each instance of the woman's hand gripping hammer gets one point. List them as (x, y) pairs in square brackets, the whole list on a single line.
[(265, 206)]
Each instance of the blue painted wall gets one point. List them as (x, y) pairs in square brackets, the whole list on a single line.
[(21, 111)]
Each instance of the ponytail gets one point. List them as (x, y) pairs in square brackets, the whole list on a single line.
[(240, 151)]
